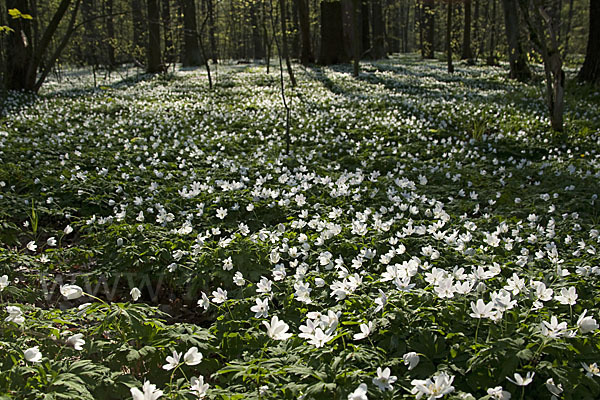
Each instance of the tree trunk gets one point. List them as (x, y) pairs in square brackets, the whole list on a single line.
[(89, 35), (492, 55), (467, 52), (295, 48), (257, 44), (306, 55), (110, 33), (332, 34), (568, 29), (211, 31), (167, 32), (590, 71), (365, 33), (519, 69), (356, 44), (428, 43), (20, 48), (191, 56), (284, 44), (154, 64), (139, 28), (378, 30), (449, 37)]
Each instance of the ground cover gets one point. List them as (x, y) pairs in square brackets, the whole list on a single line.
[(427, 237)]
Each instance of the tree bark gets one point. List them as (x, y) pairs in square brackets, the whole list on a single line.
[(257, 43), (167, 31), (211, 31), (110, 33), (139, 28), (491, 60), (428, 43), (356, 44), (332, 34), (378, 30), (154, 62), (284, 44), (365, 32), (306, 55), (449, 37), (519, 69), (467, 52), (590, 71), (191, 56)]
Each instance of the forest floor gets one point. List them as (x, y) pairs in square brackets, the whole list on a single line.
[(427, 235)]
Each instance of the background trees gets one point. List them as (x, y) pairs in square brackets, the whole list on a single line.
[(156, 33)]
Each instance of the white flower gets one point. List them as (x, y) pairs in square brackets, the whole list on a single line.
[(51, 241), (520, 381), (411, 359), (198, 386), (31, 246), (221, 213), (192, 356), (71, 292), (319, 338), (568, 296), (440, 386), (14, 315), (365, 330), (381, 301), (135, 293), (482, 310), (149, 392), (277, 329), (3, 282), (264, 286), (586, 324), (68, 229), (76, 341), (261, 309), (554, 329), (556, 390), (219, 296), (33, 354), (360, 393), (172, 361), (238, 279), (204, 302), (383, 380), (591, 369), (498, 394)]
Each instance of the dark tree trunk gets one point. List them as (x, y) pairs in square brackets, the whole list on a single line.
[(90, 35), (356, 44), (405, 44), (284, 42), (568, 29), (167, 32), (449, 37), (590, 71), (211, 31), (139, 28), (332, 34), (306, 55), (492, 55), (378, 30), (428, 42), (467, 52), (365, 33), (295, 50), (476, 33), (191, 48), (110, 33), (519, 69), (257, 44), (20, 48), (154, 64)]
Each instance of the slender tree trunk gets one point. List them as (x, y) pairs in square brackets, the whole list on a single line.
[(378, 30), (295, 48), (467, 52), (568, 29), (519, 69), (365, 33), (494, 31), (211, 31), (476, 33), (356, 44), (167, 31), (257, 44), (20, 48), (284, 42), (449, 37), (191, 48), (428, 42), (590, 71), (406, 24), (154, 64), (332, 34), (306, 56), (110, 33), (139, 28)]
